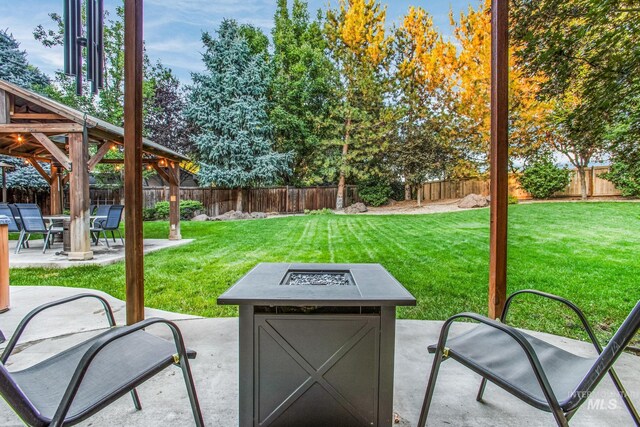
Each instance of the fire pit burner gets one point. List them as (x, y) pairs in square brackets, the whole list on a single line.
[(317, 278)]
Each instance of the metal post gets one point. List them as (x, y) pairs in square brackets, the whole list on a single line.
[(499, 156)]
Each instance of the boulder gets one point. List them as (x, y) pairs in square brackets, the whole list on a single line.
[(258, 215), (232, 215), (473, 201), (355, 208), (201, 217)]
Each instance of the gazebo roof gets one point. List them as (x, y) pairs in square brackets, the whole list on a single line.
[(30, 112)]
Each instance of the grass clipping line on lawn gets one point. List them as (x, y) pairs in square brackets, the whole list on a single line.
[(587, 252)]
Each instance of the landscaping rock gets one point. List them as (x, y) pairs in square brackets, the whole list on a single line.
[(473, 201), (258, 215), (355, 208), (232, 215), (201, 217)]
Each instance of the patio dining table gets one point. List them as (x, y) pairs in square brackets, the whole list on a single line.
[(59, 219)]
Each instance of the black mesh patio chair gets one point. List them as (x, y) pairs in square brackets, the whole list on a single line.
[(100, 211), (110, 223), (5, 210), (16, 214), (540, 374), (78, 382), (32, 222)]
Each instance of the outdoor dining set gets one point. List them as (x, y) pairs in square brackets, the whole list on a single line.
[(27, 219)]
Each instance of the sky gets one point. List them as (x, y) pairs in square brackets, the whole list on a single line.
[(172, 28)]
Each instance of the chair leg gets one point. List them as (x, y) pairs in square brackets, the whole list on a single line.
[(625, 397), (121, 238), (191, 391), (113, 236), (561, 419), (483, 385), (20, 241), (438, 358), (104, 233), (136, 399), (46, 242)]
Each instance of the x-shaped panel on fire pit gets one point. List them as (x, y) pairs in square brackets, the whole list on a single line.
[(316, 370)]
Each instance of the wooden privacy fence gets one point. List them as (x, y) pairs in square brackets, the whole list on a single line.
[(217, 201), (596, 187)]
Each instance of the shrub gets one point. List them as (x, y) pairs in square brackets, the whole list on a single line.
[(374, 193), (625, 176), (542, 179), (188, 209), (513, 200), (149, 214), (325, 211)]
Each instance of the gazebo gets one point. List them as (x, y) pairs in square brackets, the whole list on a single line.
[(40, 130)]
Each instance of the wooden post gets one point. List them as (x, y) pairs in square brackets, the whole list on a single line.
[(5, 109), (499, 156), (54, 185), (174, 203), (4, 265), (134, 247), (79, 195)]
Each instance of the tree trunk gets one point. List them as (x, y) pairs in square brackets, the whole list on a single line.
[(345, 151), (407, 192), (239, 200), (583, 182)]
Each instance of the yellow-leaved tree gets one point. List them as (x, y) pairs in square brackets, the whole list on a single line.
[(424, 82), (528, 117), (359, 49)]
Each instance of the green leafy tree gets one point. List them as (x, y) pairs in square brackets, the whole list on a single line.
[(227, 104), (589, 51), (303, 93), (543, 178)]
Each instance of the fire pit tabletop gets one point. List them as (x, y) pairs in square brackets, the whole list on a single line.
[(317, 285)]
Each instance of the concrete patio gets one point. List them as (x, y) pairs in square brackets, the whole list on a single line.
[(215, 371), (102, 255)]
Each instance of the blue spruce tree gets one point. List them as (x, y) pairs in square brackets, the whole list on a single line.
[(15, 69), (228, 106)]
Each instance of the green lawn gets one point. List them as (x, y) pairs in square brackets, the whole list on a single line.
[(588, 252)]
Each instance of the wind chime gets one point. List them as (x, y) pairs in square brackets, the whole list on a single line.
[(77, 42)]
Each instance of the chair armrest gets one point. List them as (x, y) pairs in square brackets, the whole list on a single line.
[(566, 302), (33, 313), (517, 336), (94, 350)]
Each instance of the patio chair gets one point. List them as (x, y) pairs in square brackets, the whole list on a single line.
[(82, 380), (110, 223), (32, 222), (101, 211), (14, 226), (540, 374)]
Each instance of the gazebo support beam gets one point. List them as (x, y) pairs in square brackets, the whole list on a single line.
[(134, 247), (96, 158), (55, 193), (53, 149), (174, 201), (499, 156), (79, 198)]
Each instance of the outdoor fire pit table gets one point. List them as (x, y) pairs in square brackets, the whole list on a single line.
[(317, 344)]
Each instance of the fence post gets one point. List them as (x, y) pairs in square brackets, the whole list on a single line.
[(4, 263)]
